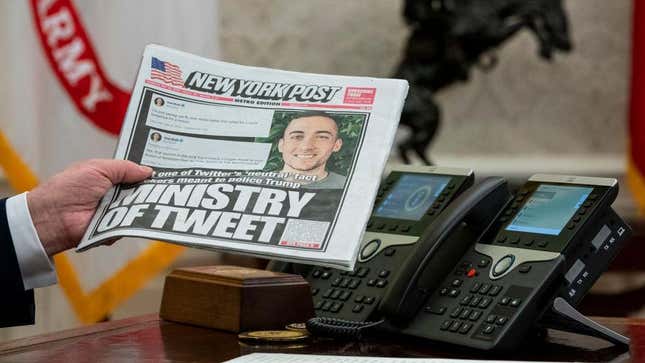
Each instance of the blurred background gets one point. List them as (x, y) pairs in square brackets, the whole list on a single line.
[(524, 115)]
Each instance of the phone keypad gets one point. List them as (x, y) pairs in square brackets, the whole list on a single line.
[(338, 293), (481, 297), (473, 305)]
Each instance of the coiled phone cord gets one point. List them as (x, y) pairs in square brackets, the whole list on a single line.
[(339, 328)]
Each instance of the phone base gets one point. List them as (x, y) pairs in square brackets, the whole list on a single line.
[(563, 316)]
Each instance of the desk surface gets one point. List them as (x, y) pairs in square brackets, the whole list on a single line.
[(151, 339)]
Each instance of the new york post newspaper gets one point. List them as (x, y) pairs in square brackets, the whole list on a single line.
[(270, 163)]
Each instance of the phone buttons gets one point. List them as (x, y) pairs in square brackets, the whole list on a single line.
[(476, 287), (503, 265), (466, 300), (362, 271), (465, 328), (488, 329), (353, 284), (475, 315), (494, 290), (326, 305), (336, 307), (454, 327), (484, 289), (370, 248), (484, 303)]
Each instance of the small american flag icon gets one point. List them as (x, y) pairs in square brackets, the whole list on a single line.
[(166, 72)]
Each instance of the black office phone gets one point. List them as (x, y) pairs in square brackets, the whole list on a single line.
[(483, 269), (549, 244), (407, 202)]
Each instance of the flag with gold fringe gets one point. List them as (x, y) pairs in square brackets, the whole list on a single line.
[(68, 66), (636, 152)]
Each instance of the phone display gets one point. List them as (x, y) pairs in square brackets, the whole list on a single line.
[(549, 209), (411, 196)]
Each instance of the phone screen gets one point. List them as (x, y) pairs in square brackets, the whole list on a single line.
[(549, 209), (411, 196)]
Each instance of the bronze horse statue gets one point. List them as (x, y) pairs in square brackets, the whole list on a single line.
[(449, 37)]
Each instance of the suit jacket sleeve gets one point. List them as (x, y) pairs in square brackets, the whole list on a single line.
[(16, 305)]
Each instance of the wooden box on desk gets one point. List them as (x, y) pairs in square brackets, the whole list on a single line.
[(235, 298)]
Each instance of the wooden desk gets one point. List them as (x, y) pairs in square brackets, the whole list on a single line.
[(147, 338)]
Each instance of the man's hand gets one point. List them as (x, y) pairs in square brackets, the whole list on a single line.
[(62, 206)]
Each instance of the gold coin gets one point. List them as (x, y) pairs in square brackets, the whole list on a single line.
[(249, 346), (301, 327), (274, 336)]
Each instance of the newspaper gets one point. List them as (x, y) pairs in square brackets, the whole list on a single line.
[(270, 163)]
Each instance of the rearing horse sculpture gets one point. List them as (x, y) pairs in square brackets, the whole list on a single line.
[(449, 37)]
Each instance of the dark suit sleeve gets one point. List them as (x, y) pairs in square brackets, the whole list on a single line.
[(16, 305)]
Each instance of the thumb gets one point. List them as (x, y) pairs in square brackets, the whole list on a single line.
[(122, 171)]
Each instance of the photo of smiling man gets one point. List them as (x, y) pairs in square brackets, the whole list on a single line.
[(307, 143)]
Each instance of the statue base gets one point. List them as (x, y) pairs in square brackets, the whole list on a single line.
[(235, 299)]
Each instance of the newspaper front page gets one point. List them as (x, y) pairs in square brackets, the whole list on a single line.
[(250, 160)]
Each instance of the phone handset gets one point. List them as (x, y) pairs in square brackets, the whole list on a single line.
[(433, 258)]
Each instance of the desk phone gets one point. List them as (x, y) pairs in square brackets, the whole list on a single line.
[(473, 265), (408, 201)]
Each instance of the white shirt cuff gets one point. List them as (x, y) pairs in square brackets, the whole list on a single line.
[(36, 268)]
